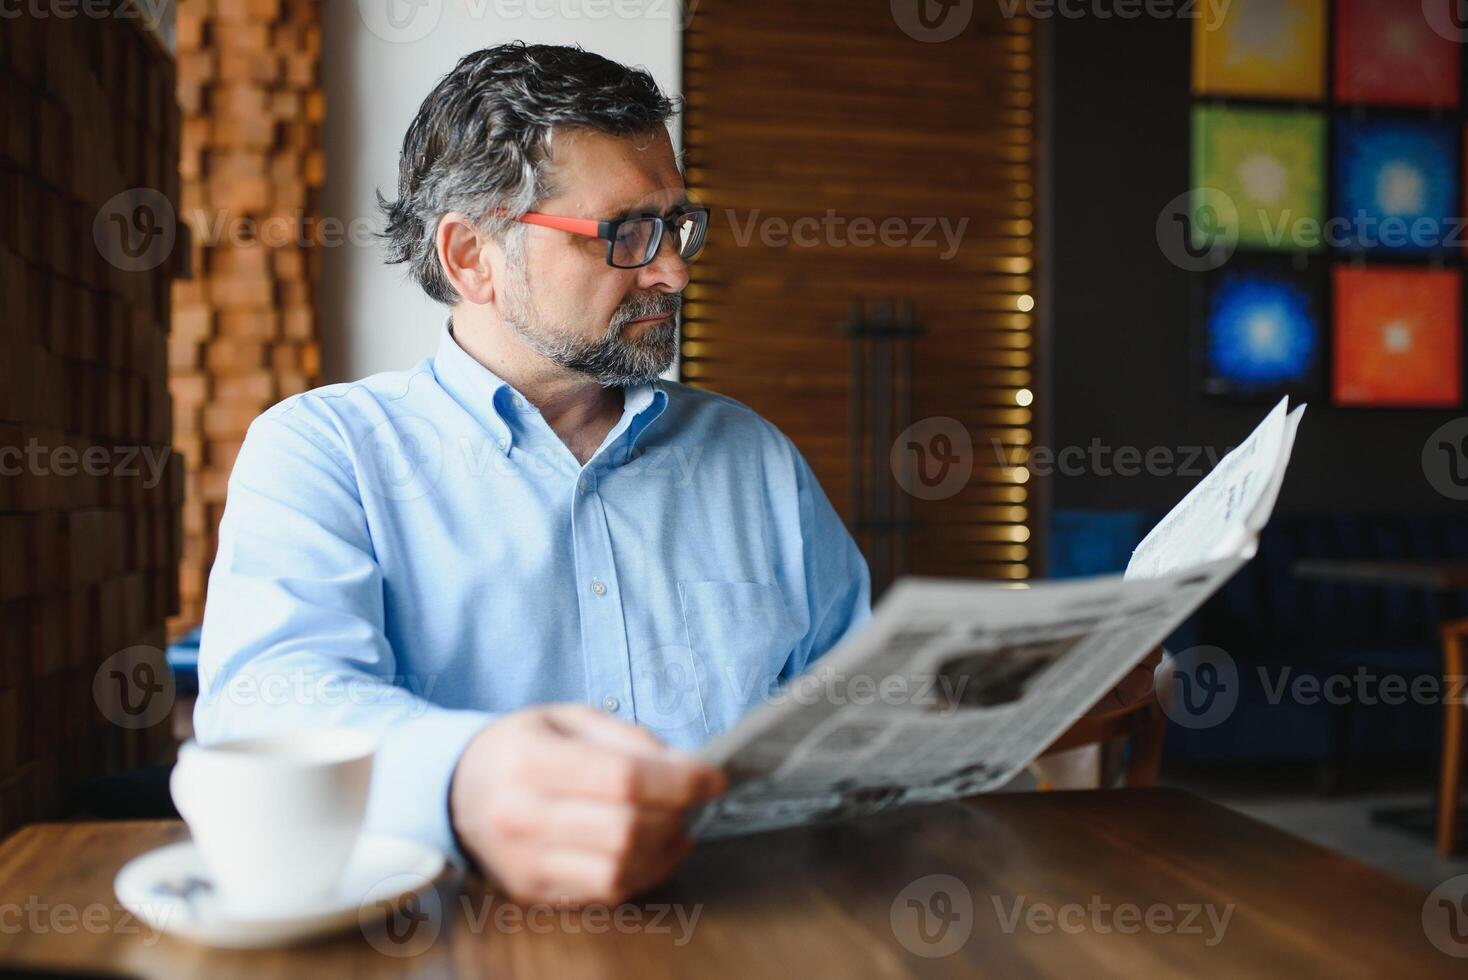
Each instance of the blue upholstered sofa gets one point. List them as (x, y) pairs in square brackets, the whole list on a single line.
[(1270, 620)]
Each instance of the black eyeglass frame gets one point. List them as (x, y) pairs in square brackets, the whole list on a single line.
[(608, 230)]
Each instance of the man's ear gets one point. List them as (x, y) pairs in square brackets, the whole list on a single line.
[(464, 255)]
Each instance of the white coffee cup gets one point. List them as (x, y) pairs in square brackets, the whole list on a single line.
[(275, 819)]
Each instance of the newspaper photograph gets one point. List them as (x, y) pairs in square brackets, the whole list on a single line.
[(956, 686)]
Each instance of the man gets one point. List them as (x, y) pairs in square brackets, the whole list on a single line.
[(537, 571)]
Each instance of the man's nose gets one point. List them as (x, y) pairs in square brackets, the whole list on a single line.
[(668, 270)]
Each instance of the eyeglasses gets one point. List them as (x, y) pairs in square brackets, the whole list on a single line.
[(634, 242)]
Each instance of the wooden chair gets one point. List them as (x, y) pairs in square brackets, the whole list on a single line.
[(1144, 723), (1455, 708)]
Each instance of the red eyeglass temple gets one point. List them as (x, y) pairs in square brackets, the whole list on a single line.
[(577, 226)]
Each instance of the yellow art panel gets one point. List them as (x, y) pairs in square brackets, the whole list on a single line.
[(1263, 48)]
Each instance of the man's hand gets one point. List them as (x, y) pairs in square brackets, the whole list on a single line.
[(564, 804), (1134, 687)]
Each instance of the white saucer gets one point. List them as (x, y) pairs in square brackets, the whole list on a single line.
[(169, 889)]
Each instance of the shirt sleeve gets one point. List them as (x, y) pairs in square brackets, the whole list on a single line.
[(293, 634), (838, 585)]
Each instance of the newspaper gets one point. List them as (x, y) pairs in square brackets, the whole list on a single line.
[(956, 686)]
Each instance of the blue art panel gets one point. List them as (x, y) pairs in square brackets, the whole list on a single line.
[(1396, 186), (1262, 332)]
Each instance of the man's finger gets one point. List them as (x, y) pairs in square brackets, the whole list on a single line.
[(1135, 686), (568, 765), (611, 828), (568, 877), (1132, 688), (584, 720), (576, 877), (657, 867)]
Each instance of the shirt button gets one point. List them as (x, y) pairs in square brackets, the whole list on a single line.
[(504, 444), (519, 402), (584, 485), (610, 703), (598, 586)]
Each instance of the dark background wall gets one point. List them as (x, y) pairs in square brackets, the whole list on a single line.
[(1119, 105)]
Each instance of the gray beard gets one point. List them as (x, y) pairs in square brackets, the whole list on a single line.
[(609, 360)]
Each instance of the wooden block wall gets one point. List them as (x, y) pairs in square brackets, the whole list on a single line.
[(89, 536), (244, 330)]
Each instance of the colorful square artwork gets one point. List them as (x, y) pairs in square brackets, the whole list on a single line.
[(1398, 336), (1270, 165), (1387, 53), (1263, 329), (1396, 185), (1260, 48)]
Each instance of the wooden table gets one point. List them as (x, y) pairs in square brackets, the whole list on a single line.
[(835, 902)]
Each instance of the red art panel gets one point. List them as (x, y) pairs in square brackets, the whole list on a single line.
[(1398, 337), (1387, 53)]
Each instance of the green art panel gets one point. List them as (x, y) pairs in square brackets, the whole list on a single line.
[(1268, 166)]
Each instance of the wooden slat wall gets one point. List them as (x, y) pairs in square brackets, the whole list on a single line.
[(244, 327), (89, 489), (797, 109)]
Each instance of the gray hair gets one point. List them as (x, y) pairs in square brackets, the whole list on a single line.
[(481, 141)]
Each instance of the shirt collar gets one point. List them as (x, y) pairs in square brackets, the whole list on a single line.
[(492, 401), (641, 405)]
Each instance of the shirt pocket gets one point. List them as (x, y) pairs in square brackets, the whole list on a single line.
[(741, 635)]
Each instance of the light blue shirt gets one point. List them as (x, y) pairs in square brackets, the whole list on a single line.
[(418, 552)]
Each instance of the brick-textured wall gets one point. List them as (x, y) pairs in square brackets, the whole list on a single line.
[(244, 330), (89, 490)]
